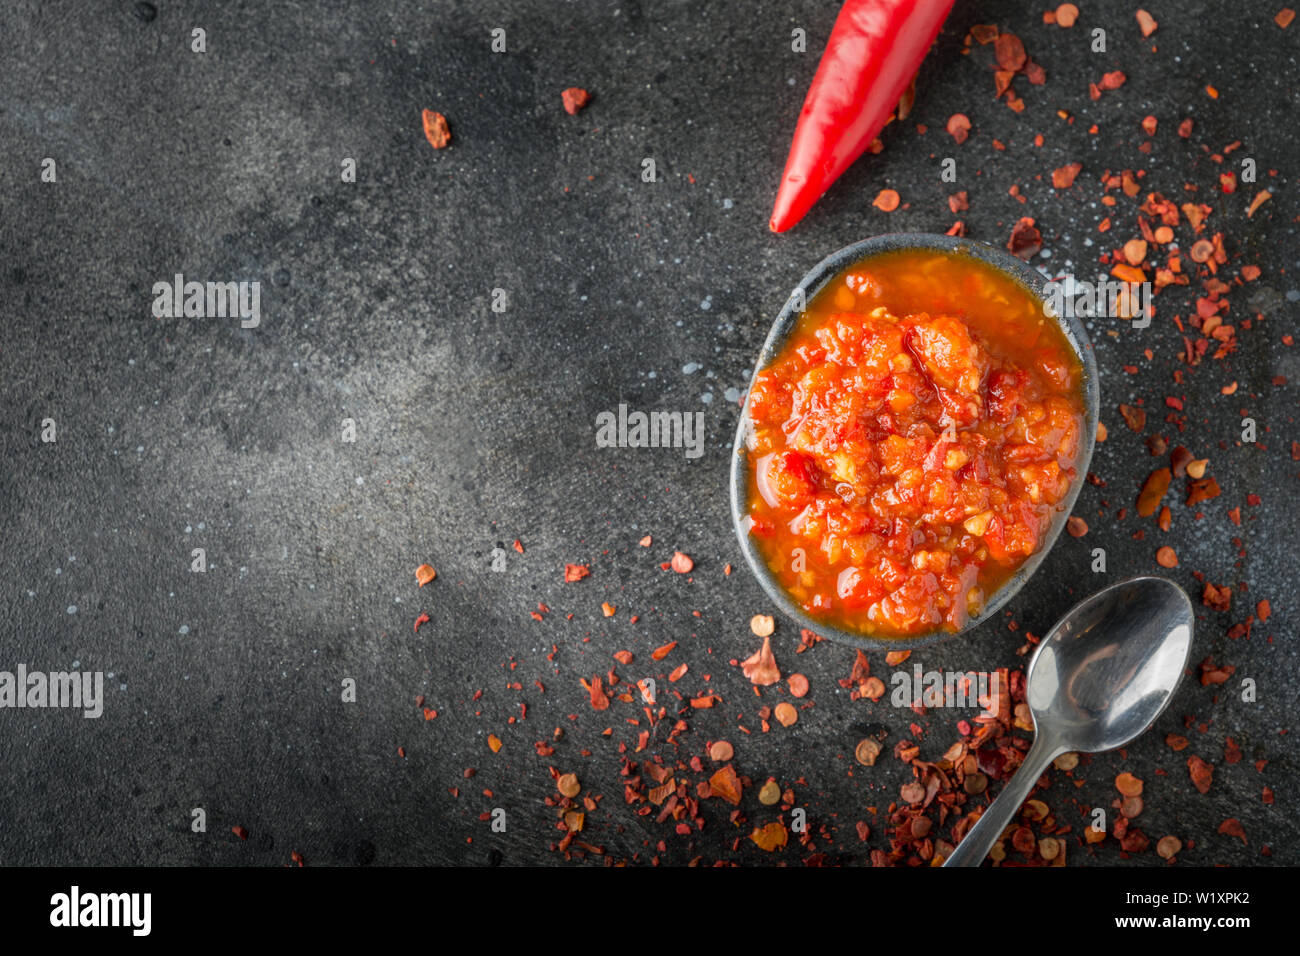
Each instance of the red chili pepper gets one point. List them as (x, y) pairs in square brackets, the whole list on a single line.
[(874, 51)]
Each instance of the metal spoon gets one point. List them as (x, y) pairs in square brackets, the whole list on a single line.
[(1099, 678)]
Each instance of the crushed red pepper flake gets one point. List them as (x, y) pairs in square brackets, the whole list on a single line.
[(761, 668), (574, 99), (771, 837), (1134, 418), (436, 129), (726, 784), (1063, 177), (1026, 240), (1202, 773), (1009, 50), (1232, 827), (659, 653), (575, 572)]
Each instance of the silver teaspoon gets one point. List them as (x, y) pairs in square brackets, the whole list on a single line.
[(1099, 678)]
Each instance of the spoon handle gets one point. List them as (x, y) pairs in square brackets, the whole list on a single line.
[(981, 837)]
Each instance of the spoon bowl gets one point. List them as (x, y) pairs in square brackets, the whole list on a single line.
[(1093, 684), (1099, 678)]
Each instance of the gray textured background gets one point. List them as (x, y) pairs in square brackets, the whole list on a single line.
[(476, 428)]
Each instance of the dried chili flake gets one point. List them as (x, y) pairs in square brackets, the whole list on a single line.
[(659, 653), (1134, 418), (422, 619), (958, 202), (761, 668), (494, 742), (1232, 827), (240, 832), (770, 837), (1202, 490), (1263, 609), (1176, 742), (608, 609), (574, 99), (436, 129), (575, 572), (1284, 17), (424, 574), (1025, 239), (1212, 674), (1063, 176), (959, 127), (1217, 598), (599, 701), (725, 784), (1153, 490), (1112, 80), (1202, 773), (1146, 23), (1009, 51), (1261, 197)]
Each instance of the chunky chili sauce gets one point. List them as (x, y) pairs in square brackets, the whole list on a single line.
[(910, 443)]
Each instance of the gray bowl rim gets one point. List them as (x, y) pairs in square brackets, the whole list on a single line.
[(818, 278)]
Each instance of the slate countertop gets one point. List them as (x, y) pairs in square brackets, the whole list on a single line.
[(475, 428)]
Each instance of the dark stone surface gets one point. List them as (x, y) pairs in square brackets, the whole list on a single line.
[(476, 428)]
